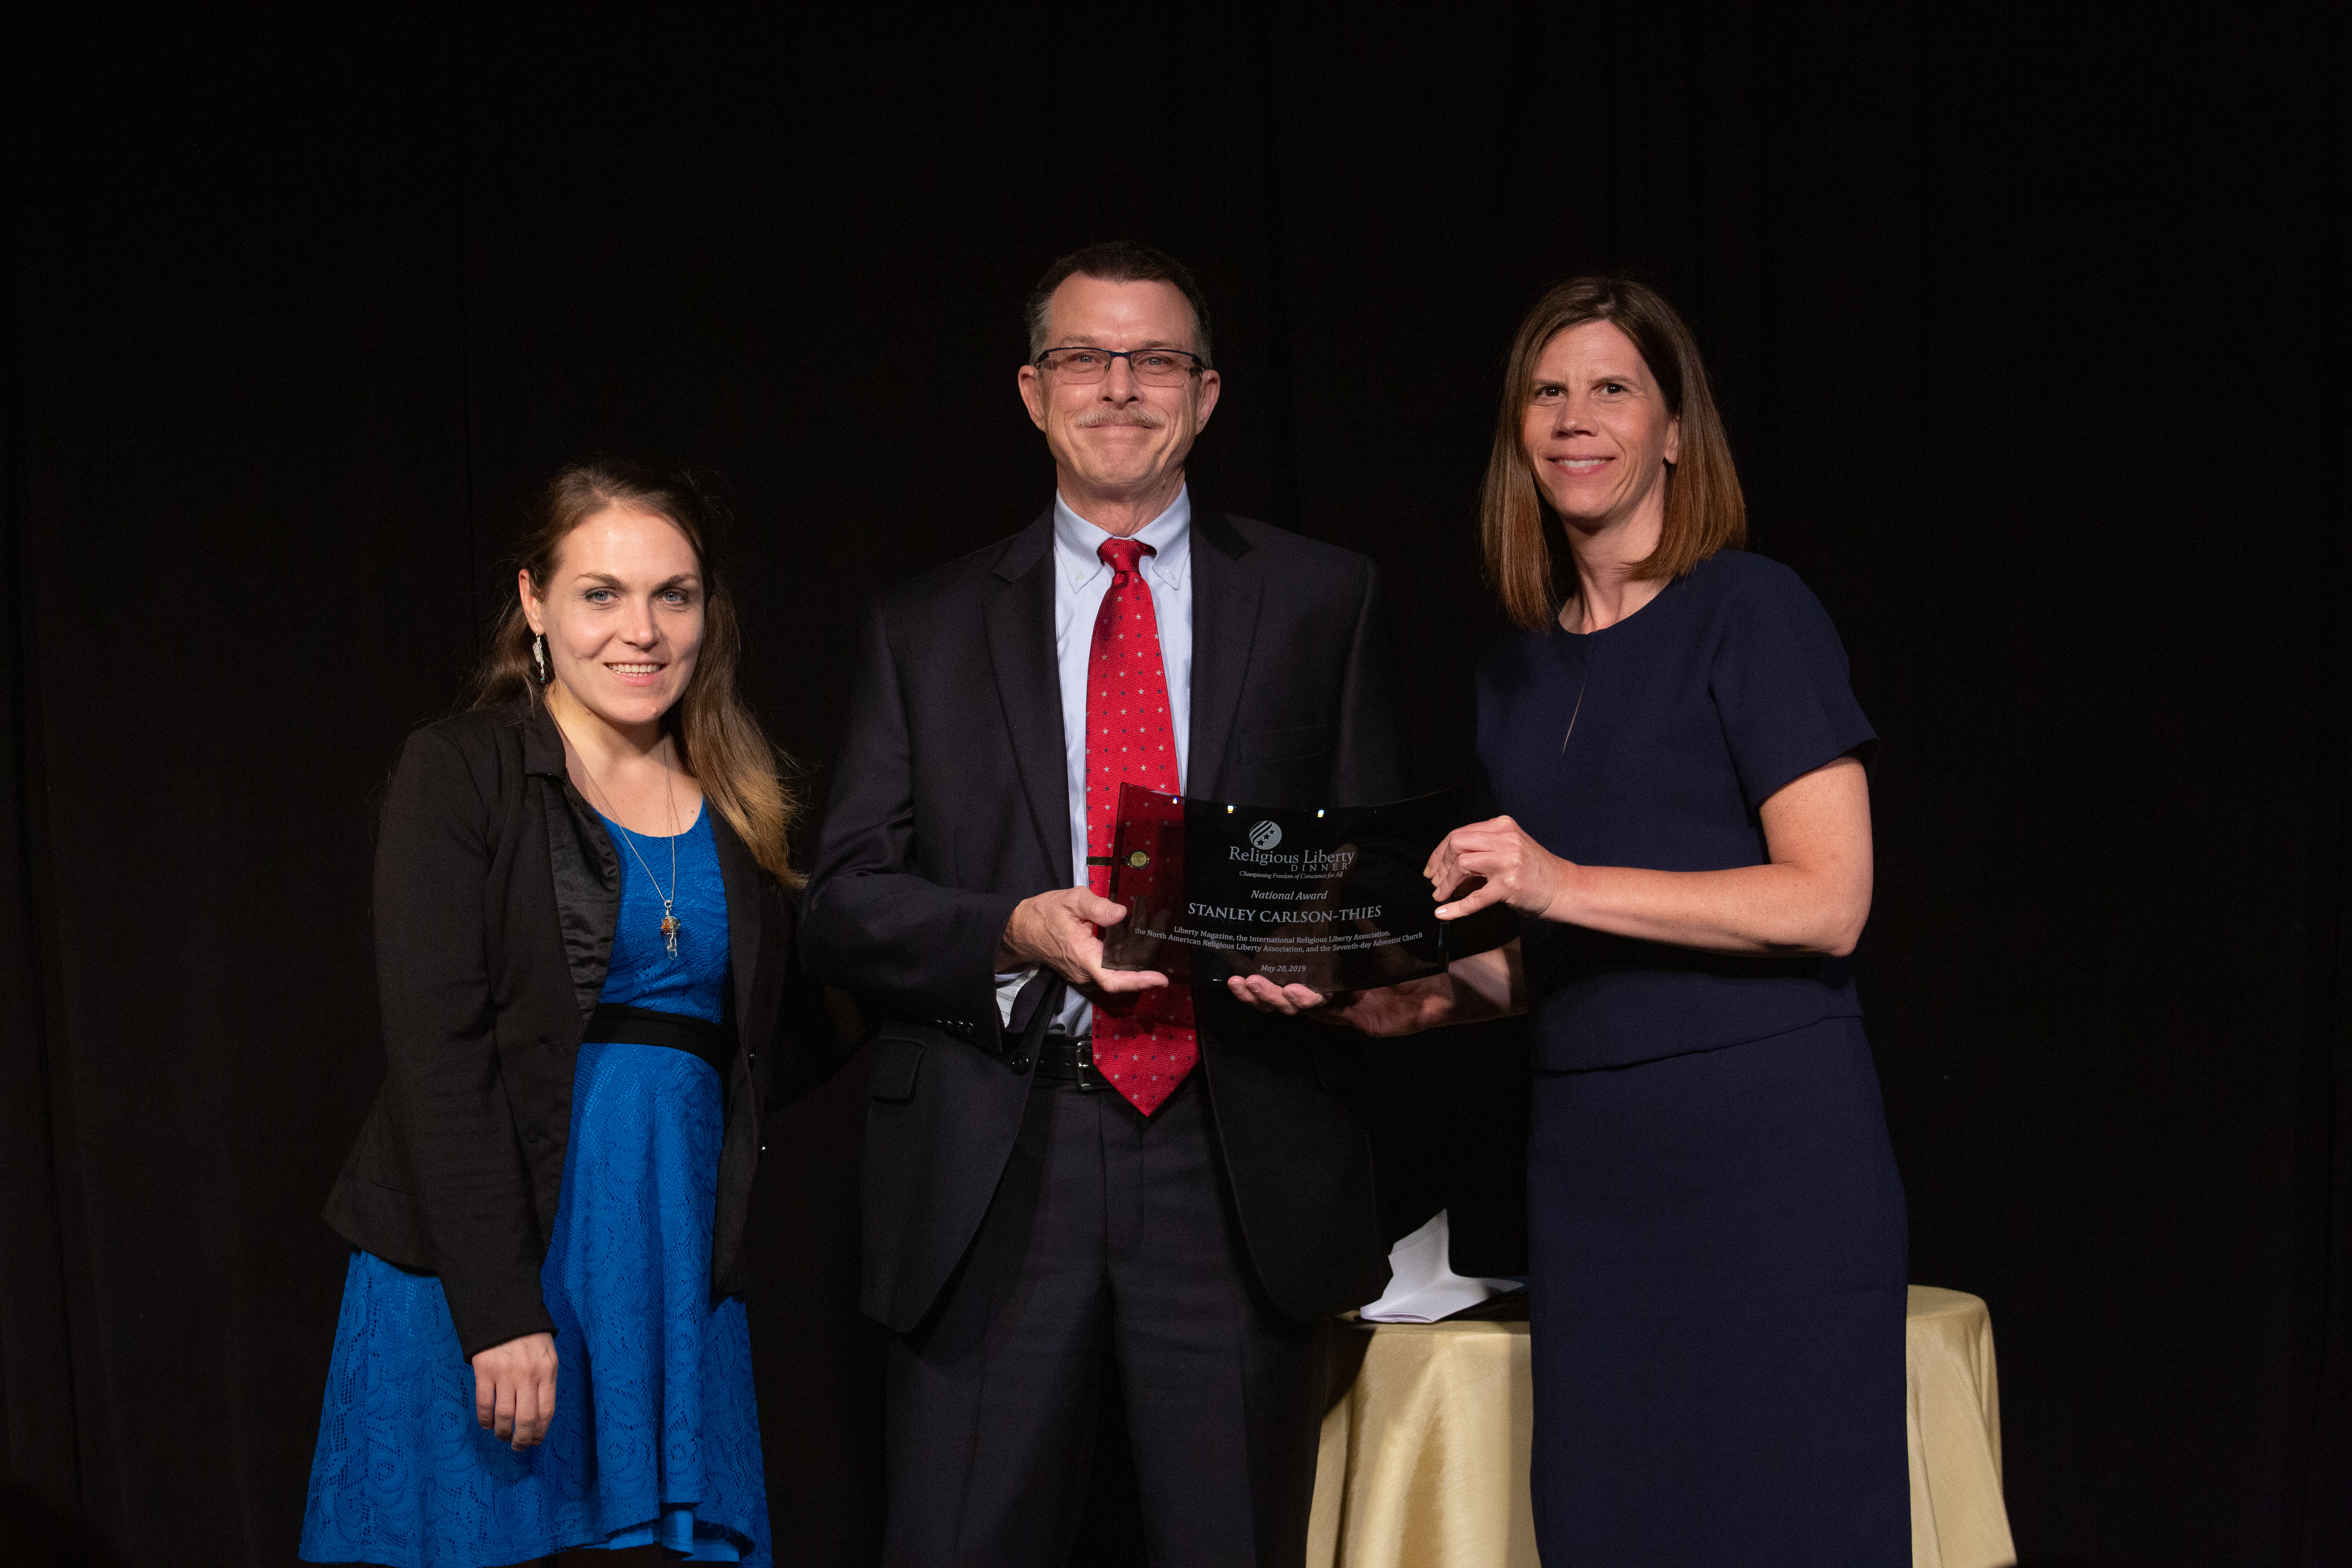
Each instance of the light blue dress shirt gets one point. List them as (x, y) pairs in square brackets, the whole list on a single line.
[(1081, 578)]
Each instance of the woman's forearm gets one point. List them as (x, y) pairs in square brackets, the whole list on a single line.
[(1812, 896), (1781, 908)]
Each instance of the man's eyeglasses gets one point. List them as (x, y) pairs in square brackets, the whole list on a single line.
[(1153, 367)]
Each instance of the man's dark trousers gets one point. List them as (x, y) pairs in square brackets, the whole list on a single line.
[(1111, 1249)]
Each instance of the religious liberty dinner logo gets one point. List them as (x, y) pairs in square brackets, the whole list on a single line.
[(1266, 836)]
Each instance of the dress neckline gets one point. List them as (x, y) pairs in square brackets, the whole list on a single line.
[(1670, 585), (662, 838)]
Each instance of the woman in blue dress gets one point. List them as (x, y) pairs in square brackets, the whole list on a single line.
[(1717, 1233), (586, 966)]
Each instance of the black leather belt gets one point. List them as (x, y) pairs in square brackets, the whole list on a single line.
[(1063, 1058)]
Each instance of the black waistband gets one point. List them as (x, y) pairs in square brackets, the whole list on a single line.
[(1065, 1058), (714, 1043)]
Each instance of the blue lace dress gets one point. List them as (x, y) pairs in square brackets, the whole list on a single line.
[(656, 1437)]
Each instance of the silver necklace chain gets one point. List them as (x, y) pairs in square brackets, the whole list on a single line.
[(669, 921)]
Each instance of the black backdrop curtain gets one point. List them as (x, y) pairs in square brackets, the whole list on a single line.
[(2026, 325)]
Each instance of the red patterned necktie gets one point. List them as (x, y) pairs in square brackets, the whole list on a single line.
[(1144, 1042)]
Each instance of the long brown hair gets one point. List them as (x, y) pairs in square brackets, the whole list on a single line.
[(1704, 511), (719, 742)]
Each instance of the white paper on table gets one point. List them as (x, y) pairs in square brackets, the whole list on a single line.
[(1422, 1286)]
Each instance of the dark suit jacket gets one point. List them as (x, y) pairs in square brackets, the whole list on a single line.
[(496, 890), (951, 805)]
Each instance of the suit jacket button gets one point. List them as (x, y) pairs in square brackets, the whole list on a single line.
[(1020, 1064)]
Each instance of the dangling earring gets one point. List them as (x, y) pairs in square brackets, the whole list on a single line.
[(538, 653)]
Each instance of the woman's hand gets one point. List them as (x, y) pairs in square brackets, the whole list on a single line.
[(514, 1389), (1393, 1010), (1495, 862)]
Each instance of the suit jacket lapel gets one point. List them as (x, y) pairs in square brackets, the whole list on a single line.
[(739, 873), (1225, 592), (581, 857), (1019, 619)]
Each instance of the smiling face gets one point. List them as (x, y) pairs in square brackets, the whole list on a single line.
[(1597, 430), (622, 616), (1117, 439)]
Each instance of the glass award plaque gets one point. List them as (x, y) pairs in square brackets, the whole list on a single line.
[(1333, 899)]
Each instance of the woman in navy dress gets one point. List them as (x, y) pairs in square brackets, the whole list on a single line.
[(586, 949), (1717, 1229)]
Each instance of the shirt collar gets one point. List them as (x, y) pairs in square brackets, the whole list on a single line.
[(1077, 540)]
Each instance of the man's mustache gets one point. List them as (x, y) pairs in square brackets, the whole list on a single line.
[(1148, 418)]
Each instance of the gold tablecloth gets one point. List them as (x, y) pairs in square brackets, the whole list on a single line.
[(1957, 1520), (1424, 1457)]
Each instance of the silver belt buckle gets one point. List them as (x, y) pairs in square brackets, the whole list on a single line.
[(1087, 1080)]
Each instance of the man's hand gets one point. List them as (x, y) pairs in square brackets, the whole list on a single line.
[(1061, 929), (514, 1389), (1390, 1010)]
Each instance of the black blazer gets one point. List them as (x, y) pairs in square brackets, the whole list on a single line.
[(496, 891), (951, 806)]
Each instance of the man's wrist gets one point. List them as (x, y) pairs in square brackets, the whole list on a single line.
[(1010, 953)]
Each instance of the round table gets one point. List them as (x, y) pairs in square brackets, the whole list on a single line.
[(1424, 1457)]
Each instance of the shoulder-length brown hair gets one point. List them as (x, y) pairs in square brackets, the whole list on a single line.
[(1704, 511), (719, 742)]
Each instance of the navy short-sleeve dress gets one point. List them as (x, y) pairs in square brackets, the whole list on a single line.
[(1718, 1231)]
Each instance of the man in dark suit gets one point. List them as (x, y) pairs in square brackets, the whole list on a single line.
[(1071, 1172)]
